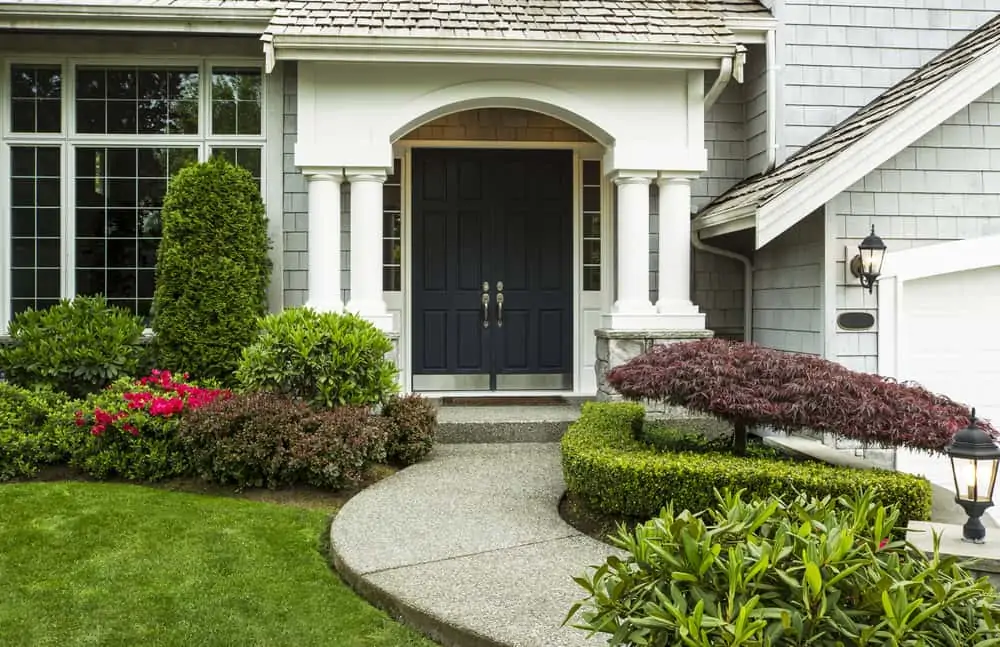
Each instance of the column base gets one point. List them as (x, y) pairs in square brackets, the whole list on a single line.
[(373, 312), (325, 306), (646, 321), (616, 347)]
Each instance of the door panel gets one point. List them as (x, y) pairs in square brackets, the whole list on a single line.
[(503, 218)]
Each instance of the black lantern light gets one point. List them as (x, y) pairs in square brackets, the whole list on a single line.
[(867, 265), (974, 461)]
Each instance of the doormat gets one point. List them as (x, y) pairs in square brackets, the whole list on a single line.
[(505, 401)]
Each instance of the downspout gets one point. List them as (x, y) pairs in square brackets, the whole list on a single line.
[(771, 99), (731, 68), (747, 280)]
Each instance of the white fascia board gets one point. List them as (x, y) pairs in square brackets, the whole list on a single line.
[(725, 222), (514, 51), (751, 30), (89, 17), (876, 148)]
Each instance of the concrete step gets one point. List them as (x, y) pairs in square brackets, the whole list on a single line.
[(505, 423)]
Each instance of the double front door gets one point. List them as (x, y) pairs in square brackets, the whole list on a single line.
[(492, 269)]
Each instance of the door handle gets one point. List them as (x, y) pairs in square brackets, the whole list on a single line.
[(499, 304), (486, 304)]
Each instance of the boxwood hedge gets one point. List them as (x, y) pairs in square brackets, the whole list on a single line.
[(615, 474)]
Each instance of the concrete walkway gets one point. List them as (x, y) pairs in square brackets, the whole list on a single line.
[(469, 547)]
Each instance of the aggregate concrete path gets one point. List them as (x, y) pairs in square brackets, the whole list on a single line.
[(469, 547)]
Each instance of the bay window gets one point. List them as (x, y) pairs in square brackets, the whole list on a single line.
[(90, 149)]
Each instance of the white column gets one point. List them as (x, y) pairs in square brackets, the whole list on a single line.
[(324, 241), (366, 246), (632, 309), (675, 254)]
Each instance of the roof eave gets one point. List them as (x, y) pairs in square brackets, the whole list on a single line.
[(77, 17), (429, 49), (836, 175), (726, 221)]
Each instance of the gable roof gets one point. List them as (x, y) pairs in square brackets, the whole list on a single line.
[(865, 140), (666, 21)]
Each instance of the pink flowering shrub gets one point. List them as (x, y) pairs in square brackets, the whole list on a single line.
[(133, 425)]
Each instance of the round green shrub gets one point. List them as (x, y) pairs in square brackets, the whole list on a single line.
[(77, 346), (783, 572), (412, 425), (327, 359), (212, 270), (28, 438), (615, 474), (269, 440)]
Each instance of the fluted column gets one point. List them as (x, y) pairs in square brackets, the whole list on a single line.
[(366, 246), (324, 241)]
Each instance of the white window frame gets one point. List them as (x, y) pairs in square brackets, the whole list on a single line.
[(68, 140)]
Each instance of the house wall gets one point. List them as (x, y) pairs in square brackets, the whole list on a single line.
[(788, 289), (838, 55), (946, 186), (754, 118)]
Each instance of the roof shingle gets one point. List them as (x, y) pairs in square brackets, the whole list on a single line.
[(759, 189), (666, 21)]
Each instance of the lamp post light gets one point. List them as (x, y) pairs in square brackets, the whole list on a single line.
[(974, 461), (867, 264)]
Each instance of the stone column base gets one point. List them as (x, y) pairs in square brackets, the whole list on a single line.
[(616, 347)]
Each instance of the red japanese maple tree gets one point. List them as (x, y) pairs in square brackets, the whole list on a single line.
[(750, 385)]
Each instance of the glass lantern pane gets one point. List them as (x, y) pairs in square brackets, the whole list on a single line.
[(988, 478), (964, 471)]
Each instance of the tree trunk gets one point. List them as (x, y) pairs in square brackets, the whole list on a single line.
[(740, 439)]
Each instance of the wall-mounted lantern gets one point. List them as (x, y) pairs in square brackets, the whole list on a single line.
[(974, 461), (867, 264)]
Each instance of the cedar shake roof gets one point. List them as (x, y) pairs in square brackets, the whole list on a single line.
[(666, 21), (759, 189)]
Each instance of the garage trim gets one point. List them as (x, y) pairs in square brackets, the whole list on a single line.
[(918, 263)]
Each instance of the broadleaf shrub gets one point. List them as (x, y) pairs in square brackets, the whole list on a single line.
[(328, 359), (132, 427), (750, 385), (28, 440), (77, 346), (412, 425), (615, 474), (271, 440), (783, 572), (212, 270)]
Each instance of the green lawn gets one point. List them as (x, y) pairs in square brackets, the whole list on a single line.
[(107, 564)]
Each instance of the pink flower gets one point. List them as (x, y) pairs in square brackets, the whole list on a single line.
[(132, 429)]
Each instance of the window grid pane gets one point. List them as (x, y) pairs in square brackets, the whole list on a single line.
[(35, 227), (35, 98), (392, 234), (236, 101), (248, 157), (591, 207), (119, 195), (137, 100)]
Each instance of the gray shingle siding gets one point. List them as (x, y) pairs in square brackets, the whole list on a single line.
[(946, 186), (295, 230), (788, 289), (755, 110), (840, 54)]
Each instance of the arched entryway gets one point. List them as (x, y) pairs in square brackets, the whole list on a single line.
[(503, 248)]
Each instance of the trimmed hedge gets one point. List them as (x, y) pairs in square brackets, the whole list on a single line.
[(615, 474)]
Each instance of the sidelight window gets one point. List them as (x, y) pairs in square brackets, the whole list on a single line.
[(90, 150), (392, 228), (591, 202)]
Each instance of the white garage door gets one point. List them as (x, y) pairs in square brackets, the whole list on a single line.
[(950, 345)]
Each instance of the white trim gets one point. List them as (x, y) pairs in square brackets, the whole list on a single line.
[(717, 223), (918, 263), (829, 282), (92, 16), (498, 51), (862, 157), (273, 188)]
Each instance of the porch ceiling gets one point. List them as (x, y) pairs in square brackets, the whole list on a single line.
[(683, 22)]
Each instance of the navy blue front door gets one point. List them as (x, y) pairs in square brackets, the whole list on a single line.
[(492, 269)]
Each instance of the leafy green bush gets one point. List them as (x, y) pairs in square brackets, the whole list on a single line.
[(412, 426), (212, 270), (616, 474), (28, 439), (327, 359), (132, 427), (784, 572), (77, 346), (266, 439)]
